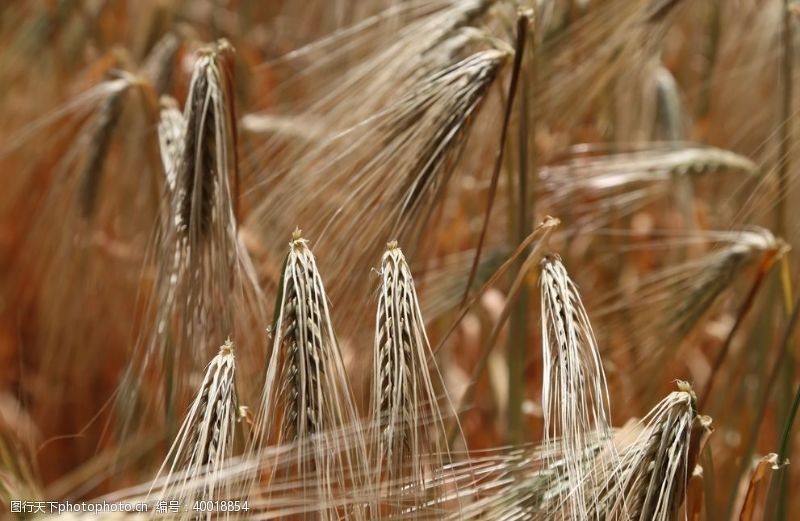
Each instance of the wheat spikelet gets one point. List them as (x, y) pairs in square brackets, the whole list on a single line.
[(720, 271), (205, 439), (199, 236), (649, 162), (642, 477), (200, 168), (206, 286), (581, 61), (649, 479), (104, 125), (624, 182), (306, 393), (159, 64), (171, 132), (82, 222), (383, 54), (447, 133), (405, 405), (574, 394), (396, 162)]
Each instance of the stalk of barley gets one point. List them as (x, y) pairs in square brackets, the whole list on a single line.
[(397, 163), (198, 149), (200, 167), (160, 62), (627, 181), (672, 301)]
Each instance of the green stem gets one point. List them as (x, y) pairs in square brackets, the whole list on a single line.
[(518, 323), (522, 26), (784, 454), (782, 487)]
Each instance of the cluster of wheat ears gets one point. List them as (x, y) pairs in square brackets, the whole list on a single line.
[(544, 242)]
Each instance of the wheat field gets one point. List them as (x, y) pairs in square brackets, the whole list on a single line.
[(399, 259)]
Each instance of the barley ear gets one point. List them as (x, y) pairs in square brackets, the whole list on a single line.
[(406, 417), (306, 398), (650, 479), (205, 439), (574, 394)]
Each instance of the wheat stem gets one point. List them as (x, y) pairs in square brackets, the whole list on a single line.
[(547, 227), (522, 27)]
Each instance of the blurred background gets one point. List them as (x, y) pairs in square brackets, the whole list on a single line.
[(659, 133)]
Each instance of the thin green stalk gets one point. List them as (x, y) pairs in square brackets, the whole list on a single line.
[(517, 349), (547, 228), (522, 26), (783, 190), (783, 455)]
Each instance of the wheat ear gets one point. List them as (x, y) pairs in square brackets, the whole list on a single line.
[(306, 395), (405, 404), (574, 393), (205, 439)]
